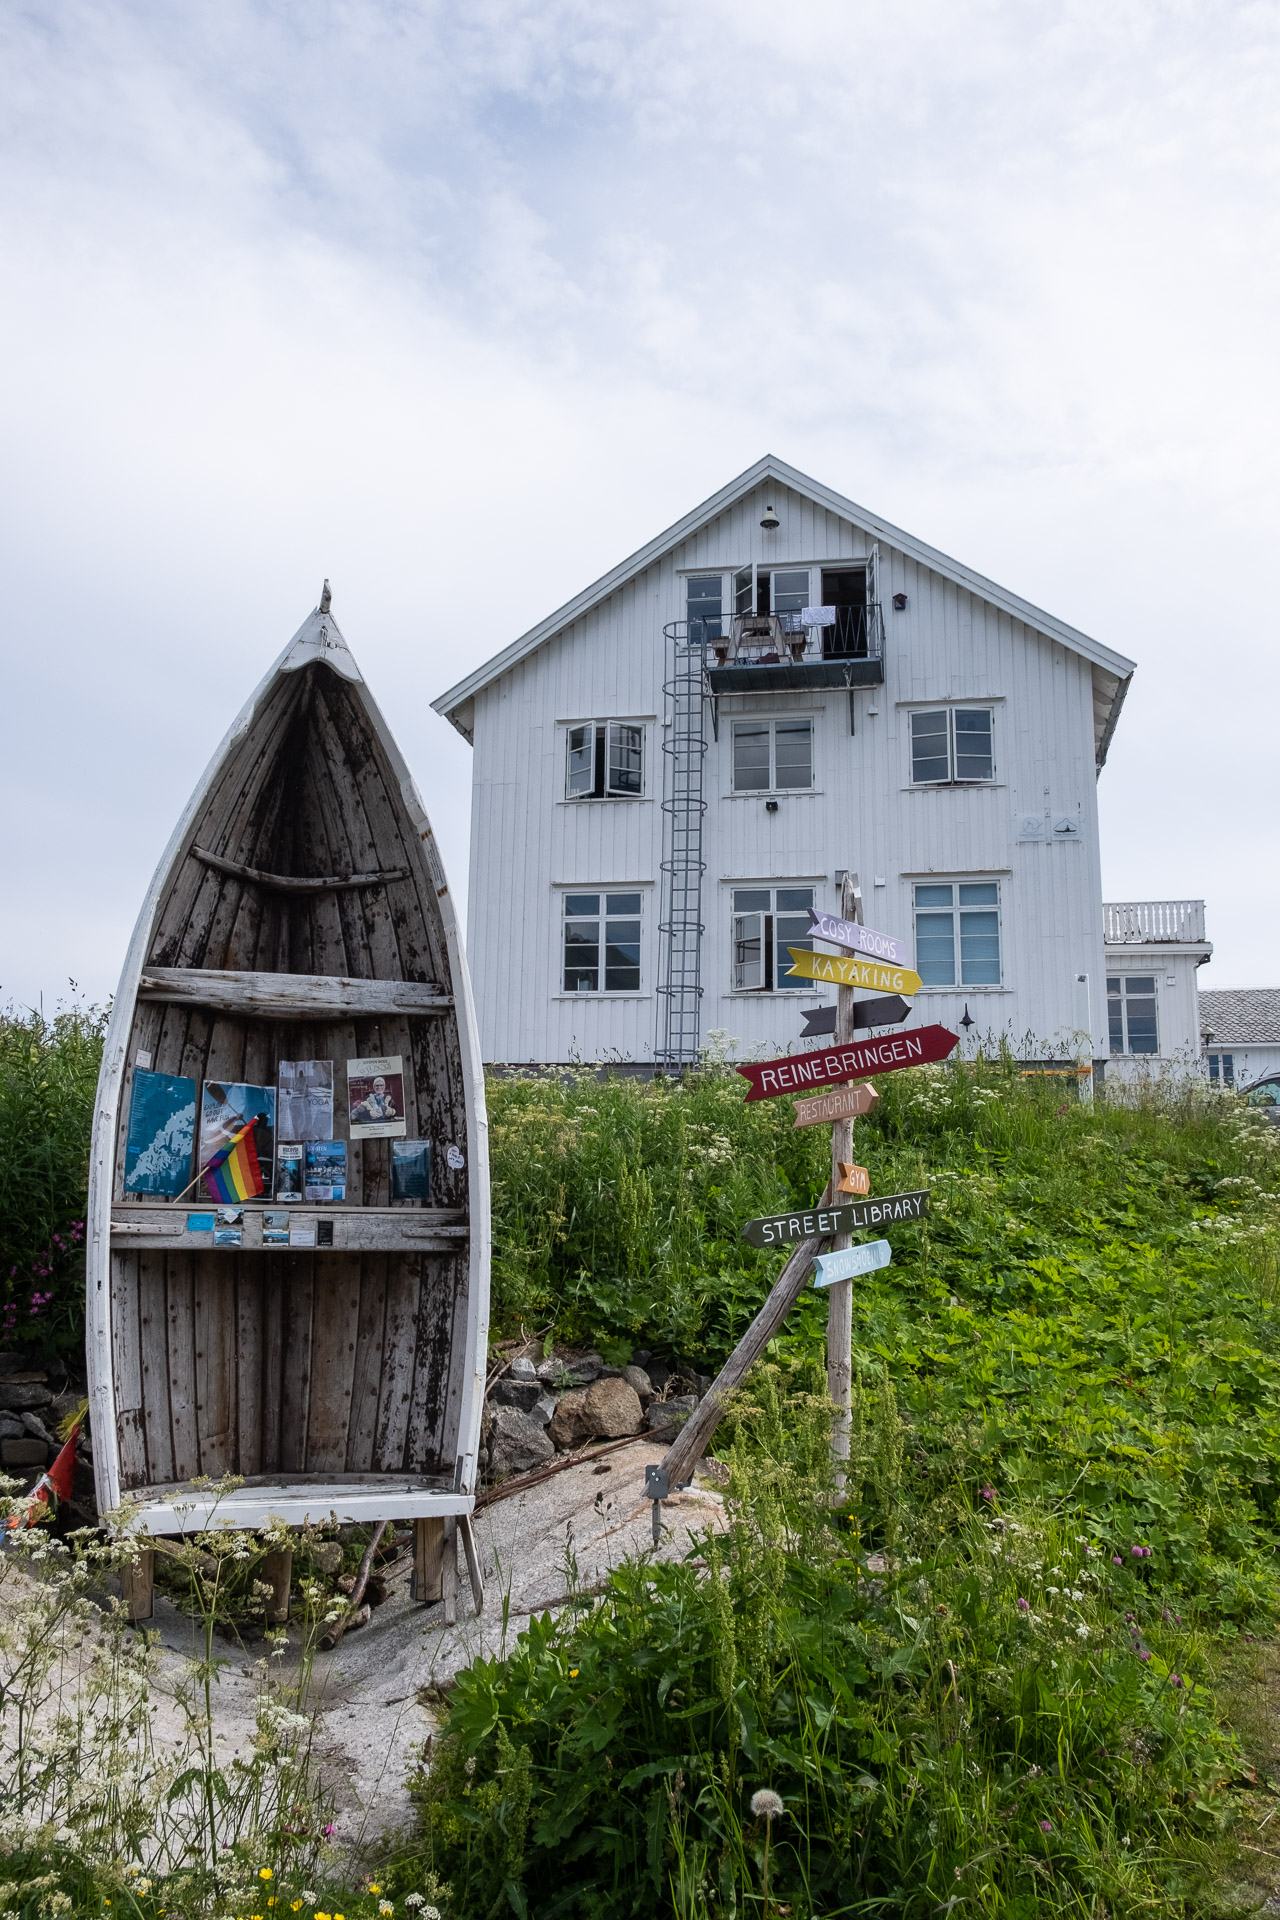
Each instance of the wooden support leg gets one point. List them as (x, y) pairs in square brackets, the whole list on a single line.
[(277, 1573), (449, 1582), (428, 1561), (473, 1562), (137, 1581)]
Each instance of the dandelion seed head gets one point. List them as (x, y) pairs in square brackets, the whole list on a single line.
[(766, 1804)]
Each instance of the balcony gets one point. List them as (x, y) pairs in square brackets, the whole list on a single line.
[(777, 652), (1153, 923)]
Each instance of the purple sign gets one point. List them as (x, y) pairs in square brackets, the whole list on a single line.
[(848, 934)]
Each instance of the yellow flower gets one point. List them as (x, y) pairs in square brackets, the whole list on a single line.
[(374, 1887), (573, 1673), (264, 1873)]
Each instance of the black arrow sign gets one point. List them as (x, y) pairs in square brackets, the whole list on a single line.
[(888, 1011), (780, 1229)]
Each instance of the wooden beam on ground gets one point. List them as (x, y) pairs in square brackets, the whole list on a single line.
[(277, 1573), (691, 1442), (428, 1561), (137, 1580), (290, 996)]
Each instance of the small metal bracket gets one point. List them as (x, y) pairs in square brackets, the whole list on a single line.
[(658, 1489)]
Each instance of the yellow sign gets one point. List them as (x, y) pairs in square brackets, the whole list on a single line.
[(848, 970)]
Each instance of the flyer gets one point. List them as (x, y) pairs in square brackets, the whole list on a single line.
[(289, 1170), (275, 1229), (305, 1111), (375, 1097), (325, 1170), (224, 1107), (410, 1169), (162, 1124)]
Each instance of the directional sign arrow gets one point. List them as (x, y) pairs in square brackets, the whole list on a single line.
[(890, 1010), (858, 939), (846, 1104), (858, 1060), (849, 970), (850, 1262), (780, 1229)]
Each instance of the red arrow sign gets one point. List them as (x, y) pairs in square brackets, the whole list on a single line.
[(858, 1061)]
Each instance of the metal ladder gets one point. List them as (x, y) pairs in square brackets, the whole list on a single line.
[(680, 927)]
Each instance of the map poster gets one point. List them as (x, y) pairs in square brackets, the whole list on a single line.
[(305, 1111), (224, 1108), (375, 1097), (411, 1170), (162, 1132), (325, 1177)]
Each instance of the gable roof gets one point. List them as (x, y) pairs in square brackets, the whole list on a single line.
[(1239, 1016), (1112, 671)]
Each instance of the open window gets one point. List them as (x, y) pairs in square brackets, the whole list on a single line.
[(766, 921), (604, 760)]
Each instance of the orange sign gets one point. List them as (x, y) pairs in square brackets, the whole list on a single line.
[(852, 1179), (847, 1104)]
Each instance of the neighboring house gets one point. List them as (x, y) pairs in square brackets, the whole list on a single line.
[(671, 769), (1240, 1034), (1153, 948)]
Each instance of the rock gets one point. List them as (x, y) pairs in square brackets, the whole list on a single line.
[(36, 1427), (637, 1378), (613, 1409), (561, 1371), (641, 1357), (659, 1372), (326, 1555), (544, 1411), (22, 1397), (516, 1443), (610, 1373), (669, 1413), (11, 1427), (23, 1453), (523, 1394), (569, 1425), (23, 1366), (522, 1368)]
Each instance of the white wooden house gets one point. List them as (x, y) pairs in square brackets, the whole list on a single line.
[(780, 687), (1240, 1035)]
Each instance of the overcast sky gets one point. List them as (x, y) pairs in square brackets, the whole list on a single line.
[(460, 305)]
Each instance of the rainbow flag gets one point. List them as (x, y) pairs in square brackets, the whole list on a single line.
[(234, 1173)]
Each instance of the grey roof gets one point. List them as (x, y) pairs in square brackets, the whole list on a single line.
[(1241, 1016), (1112, 671)]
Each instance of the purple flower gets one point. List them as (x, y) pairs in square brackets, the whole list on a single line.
[(1175, 1679), (1046, 1826), (328, 1830), (988, 1493), (1249, 1638), (1136, 1552), (1131, 1616), (1144, 1655), (1116, 1561), (1024, 1606)]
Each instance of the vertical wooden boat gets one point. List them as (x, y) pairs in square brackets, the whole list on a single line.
[(300, 912)]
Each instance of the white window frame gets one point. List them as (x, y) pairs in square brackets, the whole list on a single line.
[(773, 721), (605, 729), (951, 708), (726, 599), (1222, 1066), (1124, 975), (955, 881), (602, 893), (774, 959)]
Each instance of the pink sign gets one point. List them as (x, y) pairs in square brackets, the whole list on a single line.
[(847, 933)]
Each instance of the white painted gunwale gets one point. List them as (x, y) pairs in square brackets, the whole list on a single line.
[(318, 638)]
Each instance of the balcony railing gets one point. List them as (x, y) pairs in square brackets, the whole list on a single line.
[(1144, 923), (743, 651)]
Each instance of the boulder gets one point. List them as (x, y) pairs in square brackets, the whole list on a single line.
[(562, 1370), (569, 1425), (637, 1377), (23, 1397), (509, 1392), (659, 1372), (11, 1427), (522, 1368), (19, 1365), (544, 1410), (35, 1426), (613, 1409), (671, 1413), (23, 1453), (516, 1443)]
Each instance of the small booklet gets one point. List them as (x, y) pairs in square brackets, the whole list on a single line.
[(289, 1170), (410, 1169), (325, 1170), (275, 1229)]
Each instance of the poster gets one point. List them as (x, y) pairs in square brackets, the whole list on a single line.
[(275, 1229), (305, 1111), (162, 1126), (411, 1170), (375, 1097), (325, 1170), (289, 1170), (224, 1108)]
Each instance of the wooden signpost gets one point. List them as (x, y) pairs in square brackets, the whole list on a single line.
[(828, 1268), (859, 939), (888, 1011), (850, 1216), (852, 1179), (796, 1071), (847, 1104), (848, 970)]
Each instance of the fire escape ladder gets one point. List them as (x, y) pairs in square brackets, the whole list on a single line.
[(680, 927)]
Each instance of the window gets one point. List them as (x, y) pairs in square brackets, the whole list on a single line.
[(1222, 1069), (958, 921), (951, 744), (605, 761), (703, 606), (766, 921), (790, 591), (593, 920), (772, 755), (1131, 1013)]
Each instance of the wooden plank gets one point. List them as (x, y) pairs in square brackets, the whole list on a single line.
[(296, 883), (126, 1347), (337, 1323), (449, 1571), (297, 1356), (404, 1283), (427, 1447), (215, 1337), (355, 1229), (290, 996), (277, 1573), (180, 1317), (251, 1287), (153, 1323), (137, 1579), (367, 1374), (275, 1273), (428, 1561)]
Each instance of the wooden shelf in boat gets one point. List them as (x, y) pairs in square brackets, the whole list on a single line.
[(355, 1229), (290, 996)]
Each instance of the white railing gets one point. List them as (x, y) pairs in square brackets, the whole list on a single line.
[(1148, 922)]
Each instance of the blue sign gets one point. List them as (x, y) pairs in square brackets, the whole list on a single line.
[(851, 1261)]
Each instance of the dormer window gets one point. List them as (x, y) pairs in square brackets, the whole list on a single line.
[(604, 761)]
